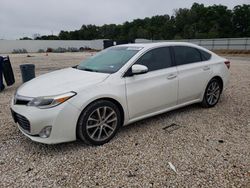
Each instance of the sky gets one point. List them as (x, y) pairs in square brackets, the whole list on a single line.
[(19, 18)]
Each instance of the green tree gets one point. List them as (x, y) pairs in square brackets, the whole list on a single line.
[(25, 38), (64, 35), (197, 22), (241, 20)]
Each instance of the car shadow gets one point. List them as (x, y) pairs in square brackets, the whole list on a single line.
[(167, 115), (32, 147)]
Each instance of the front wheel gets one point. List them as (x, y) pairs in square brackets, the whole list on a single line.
[(212, 93), (99, 122)]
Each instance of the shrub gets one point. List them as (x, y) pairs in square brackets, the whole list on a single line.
[(60, 50), (19, 51), (72, 49), (85, 48), (41, 51), (49, 50), (69, 49)]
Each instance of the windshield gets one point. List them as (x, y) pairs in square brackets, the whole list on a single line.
[(109, 60)]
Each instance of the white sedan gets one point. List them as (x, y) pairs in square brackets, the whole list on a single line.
[(116, 87)]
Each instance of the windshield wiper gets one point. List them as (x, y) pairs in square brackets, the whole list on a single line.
[(90, 70)]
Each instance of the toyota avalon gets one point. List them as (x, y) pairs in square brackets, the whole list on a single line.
[(116, 87)]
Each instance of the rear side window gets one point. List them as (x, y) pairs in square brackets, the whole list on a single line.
[(156, 59), (205, 55), (185, 55)]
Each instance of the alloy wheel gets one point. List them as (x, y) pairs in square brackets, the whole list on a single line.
[(101, 123), (213, 93)]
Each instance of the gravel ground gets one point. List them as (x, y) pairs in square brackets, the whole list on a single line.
[(208, 147)]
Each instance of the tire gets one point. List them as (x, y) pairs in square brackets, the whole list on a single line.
[(99, 123), (212, 93)]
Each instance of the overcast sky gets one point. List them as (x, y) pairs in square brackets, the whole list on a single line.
[(20, 18)]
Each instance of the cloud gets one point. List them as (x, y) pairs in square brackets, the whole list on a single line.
[(26, 17)]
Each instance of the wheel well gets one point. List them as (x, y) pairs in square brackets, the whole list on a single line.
[(108, 99), (220, 80), (113, 101)]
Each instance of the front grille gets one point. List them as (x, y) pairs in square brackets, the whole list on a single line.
[(21, 120)]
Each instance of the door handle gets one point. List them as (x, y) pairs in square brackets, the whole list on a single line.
[(206, 68), (172, 76)]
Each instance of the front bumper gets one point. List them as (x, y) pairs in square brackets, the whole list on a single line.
[(63, 119)]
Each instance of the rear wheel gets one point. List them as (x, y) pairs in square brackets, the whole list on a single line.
[(99, 122), (212, 93)]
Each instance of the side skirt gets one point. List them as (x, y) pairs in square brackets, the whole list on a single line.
[(161, 111)]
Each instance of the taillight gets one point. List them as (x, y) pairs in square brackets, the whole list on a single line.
[(227, 63)]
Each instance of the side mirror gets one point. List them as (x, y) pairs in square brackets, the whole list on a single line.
[(139, 69)]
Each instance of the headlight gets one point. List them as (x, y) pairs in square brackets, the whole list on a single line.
[(50, 101)]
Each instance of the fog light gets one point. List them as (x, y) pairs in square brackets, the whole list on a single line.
[(45, 132)]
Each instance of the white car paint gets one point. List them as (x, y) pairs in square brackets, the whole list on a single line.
[(140, 96), (156, 92), (56, 82)]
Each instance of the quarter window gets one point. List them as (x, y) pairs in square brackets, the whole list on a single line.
[(185, 55), (156, 59), (205, 56)]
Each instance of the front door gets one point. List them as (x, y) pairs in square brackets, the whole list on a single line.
[(155, 90)]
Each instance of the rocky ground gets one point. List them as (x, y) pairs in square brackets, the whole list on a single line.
[(207, 147)]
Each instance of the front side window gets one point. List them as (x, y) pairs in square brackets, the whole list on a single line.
[(156, 59), (109, 60), (185, 55)]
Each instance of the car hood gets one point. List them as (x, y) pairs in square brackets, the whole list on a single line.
[(61, 81)]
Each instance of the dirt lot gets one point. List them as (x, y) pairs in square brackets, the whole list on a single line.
[(209, 148)]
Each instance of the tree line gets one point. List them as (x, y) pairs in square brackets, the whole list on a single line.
[(199, 21)]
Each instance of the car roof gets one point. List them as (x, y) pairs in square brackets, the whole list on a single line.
[(149, 45), (157, 44)]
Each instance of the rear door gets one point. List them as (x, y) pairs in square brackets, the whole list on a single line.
[(193, 72), (156, 89)]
